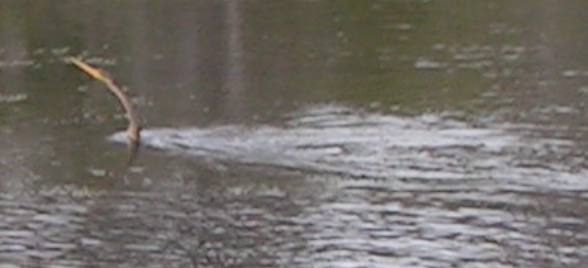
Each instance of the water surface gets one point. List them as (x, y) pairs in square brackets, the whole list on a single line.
[(322, 133)]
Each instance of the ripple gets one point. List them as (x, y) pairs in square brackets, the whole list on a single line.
[(342, 141)]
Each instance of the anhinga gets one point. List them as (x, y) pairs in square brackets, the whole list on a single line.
[(134, 127)]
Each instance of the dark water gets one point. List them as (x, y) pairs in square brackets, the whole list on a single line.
[(296, 134)]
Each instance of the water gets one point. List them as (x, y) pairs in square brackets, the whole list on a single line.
[(296, 134), (338, 140)]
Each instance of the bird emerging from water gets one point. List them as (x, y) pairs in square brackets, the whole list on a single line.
[(133, 131)]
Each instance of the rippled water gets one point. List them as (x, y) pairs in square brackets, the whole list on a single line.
[(342, 223), (337, 140), (296, 134), (367, 190)]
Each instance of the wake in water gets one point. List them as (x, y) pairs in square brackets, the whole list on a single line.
[(331, 139)]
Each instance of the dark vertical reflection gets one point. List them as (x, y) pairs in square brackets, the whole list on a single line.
[(235, 66), (13, 51), (140, 52), (15, 165)]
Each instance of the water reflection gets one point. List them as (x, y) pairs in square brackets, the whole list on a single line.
[(515, 69), (351, 224)]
